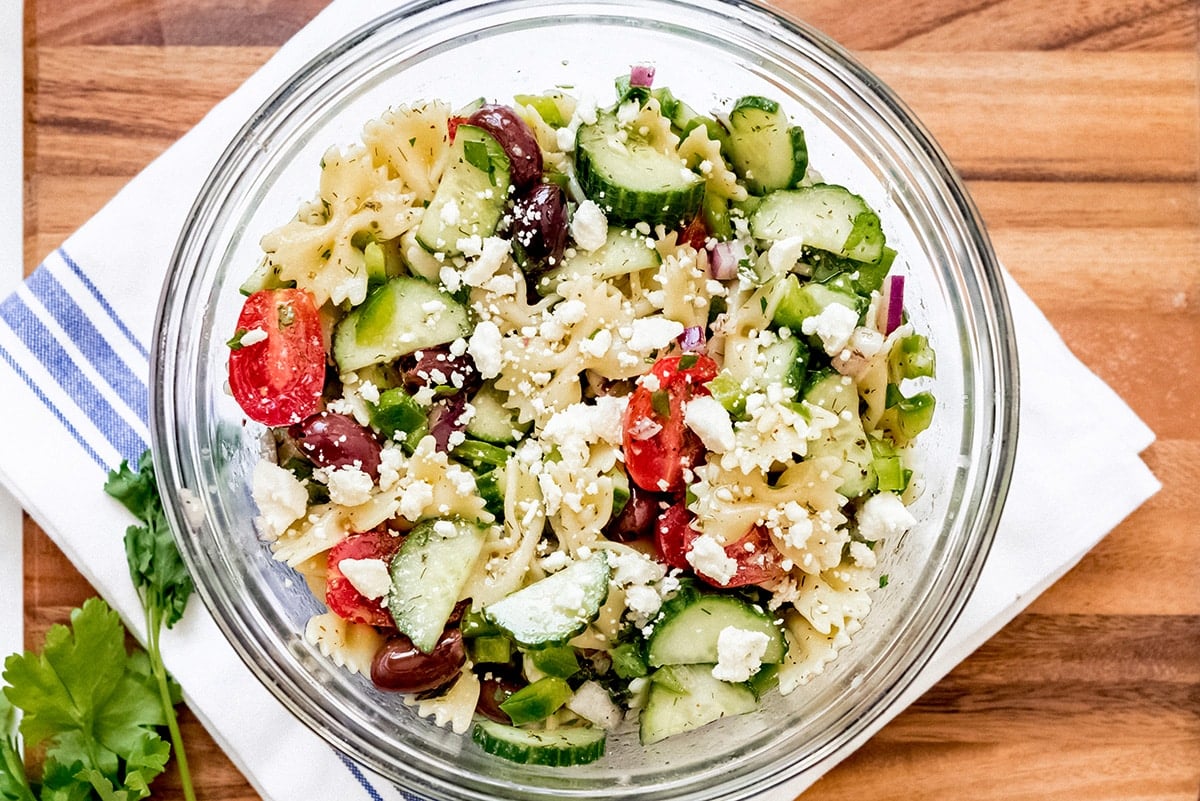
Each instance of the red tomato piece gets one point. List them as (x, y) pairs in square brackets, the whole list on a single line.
[(694, 233), (341, 596), (673, 536), (452, 125), (659, 447), (277, 378), (758, 560)]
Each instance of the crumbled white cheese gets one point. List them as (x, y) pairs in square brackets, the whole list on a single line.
[(450, 278), (589, 226), (444, 528), (555, 561), (369, 576), (349, 486), (652, 333), (784, 254), (413, 500), (708, 418), (635, 568), (484, 347), (883, 516), (368, 392), (450, 213), (834, 326), (570, 599), (281, 498), (253, 337), (708, 558), (596, 345), (570, 312), (579, 425), (480, 271), (643, 602), (739, 654), (862, 554)]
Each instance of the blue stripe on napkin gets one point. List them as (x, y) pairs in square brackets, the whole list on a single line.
[(104, 304), (36, 390), (95, 348), (58, 362)]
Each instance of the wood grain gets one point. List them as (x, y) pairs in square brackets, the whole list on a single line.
[(1077, 127)]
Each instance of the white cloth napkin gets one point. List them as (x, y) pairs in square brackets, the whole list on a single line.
[(73, 370)]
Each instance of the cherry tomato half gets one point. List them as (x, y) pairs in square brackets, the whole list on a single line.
[(277, 376), (694, 233), (658, 445), (340, 595), (758, 560)]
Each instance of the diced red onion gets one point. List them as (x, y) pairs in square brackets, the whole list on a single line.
[(895, 307), (446, 418), (723, 260), (692, 340), (641, 75)]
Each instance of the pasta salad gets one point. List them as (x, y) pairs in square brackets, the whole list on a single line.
[(581, 416)]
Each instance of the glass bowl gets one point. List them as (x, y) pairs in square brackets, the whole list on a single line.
[(859, 134)]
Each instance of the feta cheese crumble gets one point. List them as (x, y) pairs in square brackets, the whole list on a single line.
[(589, 226), (739, 654), (708, 558), (833, 326), (281, 498), (883, 516), (369, 576)]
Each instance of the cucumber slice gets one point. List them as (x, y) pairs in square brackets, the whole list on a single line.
[(265, 276), (396, 320), (847, 441), (558, 607), (785, 363), (472, 194), (686, 697), (562, 747), (624, 251), (826, 216), (763, 147), (631, 179), (493, 421), (686, 634), (428, 575)]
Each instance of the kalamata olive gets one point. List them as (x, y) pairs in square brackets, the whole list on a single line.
[(335, 440), (539, 227), (439, 367), (494, 689), (638, 517), (401, 666), (518, 141), (447, 416)]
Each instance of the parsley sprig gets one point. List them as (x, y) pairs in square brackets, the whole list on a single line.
[(161, 579), (92, 708)]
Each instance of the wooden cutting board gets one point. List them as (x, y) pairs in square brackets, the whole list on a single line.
[(1077, 127)]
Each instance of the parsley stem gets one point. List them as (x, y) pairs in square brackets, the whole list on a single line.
[(153, 630)]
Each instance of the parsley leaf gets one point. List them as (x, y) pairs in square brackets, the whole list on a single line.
[(13, 784), (155, 564), (93, 705)]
